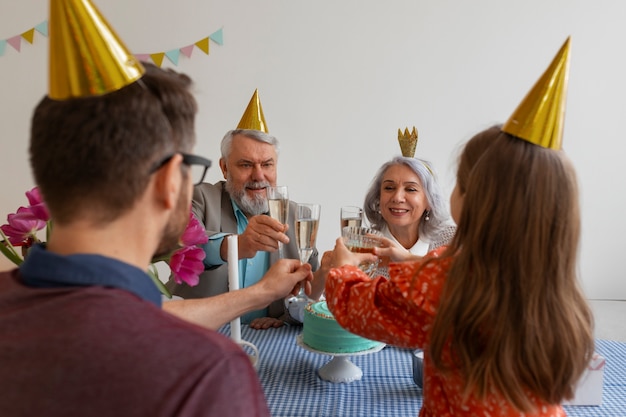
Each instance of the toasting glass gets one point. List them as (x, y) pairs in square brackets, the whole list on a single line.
[(307, 223), (351, 216), (362, 240), (278, 202)]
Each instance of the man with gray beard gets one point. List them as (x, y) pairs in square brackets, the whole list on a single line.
[(239, 206)]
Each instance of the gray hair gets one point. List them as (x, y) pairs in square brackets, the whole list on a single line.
[(439, 215), (227, 141)]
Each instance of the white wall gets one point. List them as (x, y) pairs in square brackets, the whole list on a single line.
[(338, 78)]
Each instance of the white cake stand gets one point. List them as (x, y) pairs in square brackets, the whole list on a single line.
[(339, 368)]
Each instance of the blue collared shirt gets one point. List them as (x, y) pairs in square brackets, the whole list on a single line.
[(251, 270), (45, 269)]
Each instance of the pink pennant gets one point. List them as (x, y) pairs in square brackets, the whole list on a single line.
[(187, 50), (15, 42), (143, 57)]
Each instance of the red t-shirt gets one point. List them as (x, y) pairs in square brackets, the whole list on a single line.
[(89, 351)]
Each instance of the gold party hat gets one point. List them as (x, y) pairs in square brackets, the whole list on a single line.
[(540, 116), (86, 56), (408, 142), (253, 117)]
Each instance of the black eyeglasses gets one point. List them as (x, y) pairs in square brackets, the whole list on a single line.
[(199, 166)]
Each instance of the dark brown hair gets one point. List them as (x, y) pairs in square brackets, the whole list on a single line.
[(95, 154), (512, 311)]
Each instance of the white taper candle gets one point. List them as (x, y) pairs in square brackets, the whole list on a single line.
[(233, 282)]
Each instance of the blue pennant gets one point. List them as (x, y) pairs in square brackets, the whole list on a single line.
[(173, 55), (217, 37)]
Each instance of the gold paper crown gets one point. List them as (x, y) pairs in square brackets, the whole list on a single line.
[(408, 142), (86, 56), (540, 116), (253, 117)]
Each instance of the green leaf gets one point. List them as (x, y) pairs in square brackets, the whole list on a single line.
[(8, 250), (154, 274)]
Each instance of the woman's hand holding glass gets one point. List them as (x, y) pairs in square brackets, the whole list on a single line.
[(341, 256), (390, 251), (362, 241)]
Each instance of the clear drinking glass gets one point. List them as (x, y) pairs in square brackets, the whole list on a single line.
[(307, 223), (278, 203), (351, 216), (362, 240)]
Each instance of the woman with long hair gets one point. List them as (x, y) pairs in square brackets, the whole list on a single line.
[(499, 312)]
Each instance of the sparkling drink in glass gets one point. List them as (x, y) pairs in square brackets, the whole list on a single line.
[(351, 216), (307, 223), (278, 204)]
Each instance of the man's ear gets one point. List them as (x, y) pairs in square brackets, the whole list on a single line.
[(168, 182), (223, 167)]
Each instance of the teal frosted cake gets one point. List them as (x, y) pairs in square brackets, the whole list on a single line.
[(322, 332)]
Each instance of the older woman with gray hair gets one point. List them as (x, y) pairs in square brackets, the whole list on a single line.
[(405, 203)]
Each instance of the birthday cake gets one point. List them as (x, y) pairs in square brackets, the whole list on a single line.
[(322, 332)]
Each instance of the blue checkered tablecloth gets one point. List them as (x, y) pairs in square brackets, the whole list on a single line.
[(288, 374), (614, 389)]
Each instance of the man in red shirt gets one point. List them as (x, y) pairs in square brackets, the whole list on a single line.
[(82, 332)]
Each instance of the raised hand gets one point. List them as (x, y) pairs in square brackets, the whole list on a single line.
[(286, 277), (262, 234), (342, 256), (394, 252)]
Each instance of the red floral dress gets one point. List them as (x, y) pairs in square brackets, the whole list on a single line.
[(389, 311)]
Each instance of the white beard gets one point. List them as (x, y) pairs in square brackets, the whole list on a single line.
[(250, 205)]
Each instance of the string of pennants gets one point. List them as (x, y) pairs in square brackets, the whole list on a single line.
[(157, 58)]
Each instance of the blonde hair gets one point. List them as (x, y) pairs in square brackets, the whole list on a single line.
[(512, 311)]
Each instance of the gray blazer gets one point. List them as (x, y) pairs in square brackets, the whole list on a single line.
[(212, 206)]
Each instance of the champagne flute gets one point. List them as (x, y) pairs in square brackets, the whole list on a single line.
[(307, 223), (351, 216), (278, 203)]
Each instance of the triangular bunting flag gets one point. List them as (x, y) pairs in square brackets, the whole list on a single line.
[(204, 45), (187, 50), (142, 57), (42, 28), (173, 55), (157, 58), (29, 35), (217, 37), (15, 42)]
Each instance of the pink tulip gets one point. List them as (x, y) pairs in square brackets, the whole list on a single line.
[(186, 265), (23, 226), (37, 204), (194, 234)]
